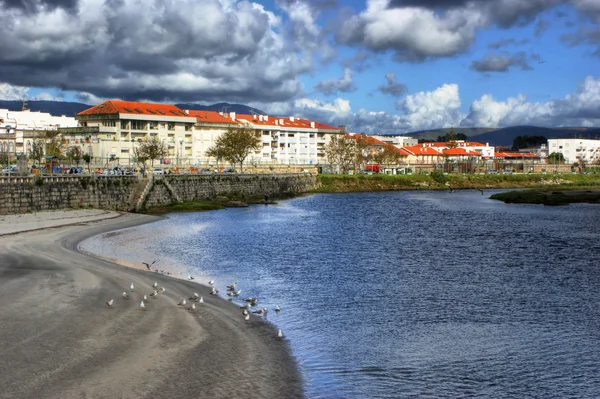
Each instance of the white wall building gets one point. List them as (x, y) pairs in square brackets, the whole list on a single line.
[(576, 150)]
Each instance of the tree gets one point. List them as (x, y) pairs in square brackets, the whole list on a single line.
[(528, 141), (451, 137), (74, 154), (388, 156), (341, 152), (54, 144), (37, 151), (87, 158), (150, 149), (236, 144), (362, 153), (556, 158)]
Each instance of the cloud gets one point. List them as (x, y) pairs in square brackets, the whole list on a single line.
[(178, 50), (541, 26), (344, 84), (437, 108), (506, 42), (501, 62), (392, 87), (10, 92)]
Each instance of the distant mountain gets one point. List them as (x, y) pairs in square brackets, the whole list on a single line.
[(56, 108), (434, 133), (223, 107), (506, 136)]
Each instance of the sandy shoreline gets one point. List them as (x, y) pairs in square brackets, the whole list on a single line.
[(60, 340)]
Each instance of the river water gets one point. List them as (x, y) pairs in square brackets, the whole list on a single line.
[(406, 294)]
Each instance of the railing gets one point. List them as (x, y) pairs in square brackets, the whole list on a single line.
[(31, 179)]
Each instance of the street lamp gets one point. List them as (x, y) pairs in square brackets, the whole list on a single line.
[(180, 149)]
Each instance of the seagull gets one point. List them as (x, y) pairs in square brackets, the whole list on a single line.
[(214, 291), (231, 287), (254, 302), (162, 289), (192, 308), (194, 296), (182, 303), (480, 189), (155, 284), (541, 62), (190, 277), (142, 306), (279, 334), (246, 306), (211, 282), (154, 294), (258, 311), (247, 317), (149, 266), (125, 295), (237, 293), (109, 303), (277, 308), (245, 312), (145, 298), (131, 287), (201, 300)]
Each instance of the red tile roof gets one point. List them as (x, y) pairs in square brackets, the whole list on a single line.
[(135, 108), (368, 139), (418, 150), (212, 117), (460, 151)]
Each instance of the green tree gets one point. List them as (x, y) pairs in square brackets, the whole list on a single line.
[(37, 151), (74, 154), (528, 141), (54, 146), (151, 149), (87, 158), (556, 158), (390, 155), (235, 145), (341, 152)]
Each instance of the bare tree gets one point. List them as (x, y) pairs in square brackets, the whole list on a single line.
[(235, 145), (341, 152), (151, 149), (390, 155), (37, 151), (75, 154)]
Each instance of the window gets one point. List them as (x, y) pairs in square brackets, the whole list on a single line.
[(153, 125), (124, 150), (138, 125), (124, 124), (171, 126), (188, 128), (109, 123)]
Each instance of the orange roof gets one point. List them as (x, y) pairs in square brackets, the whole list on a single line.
[(515, 155), (418, 150), (284, 122), (368, 139), (211, 117), (460, 151), (448, 143), (135, 108)]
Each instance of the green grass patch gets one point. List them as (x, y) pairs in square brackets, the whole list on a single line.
[(549, 197), (186, 206)]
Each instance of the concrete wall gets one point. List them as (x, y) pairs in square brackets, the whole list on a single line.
[(122, 193)]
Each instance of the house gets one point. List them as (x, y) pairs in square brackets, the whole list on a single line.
[(576, 150)]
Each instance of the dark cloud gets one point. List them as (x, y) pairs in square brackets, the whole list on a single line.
[(345, 84), (501, 62), (541, 26), (392, 87), (188, 51), (32, 6), (507, 42), (586, 36)]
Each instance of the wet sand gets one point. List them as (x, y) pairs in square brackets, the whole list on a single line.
[(59, 339)]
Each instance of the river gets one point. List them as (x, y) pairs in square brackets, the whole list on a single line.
[(406, 294)]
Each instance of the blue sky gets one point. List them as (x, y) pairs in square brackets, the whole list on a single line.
[(422, 64)]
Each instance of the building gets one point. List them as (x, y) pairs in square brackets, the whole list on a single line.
[(398, 141), (576, 150), (19, 129), (113, 128)]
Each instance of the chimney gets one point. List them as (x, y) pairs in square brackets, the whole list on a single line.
[(266, 117), (232, 115), (254, 116), (260, 118), (187, 111), (281, 122), (312, 125), (276, 122), (291, 118)]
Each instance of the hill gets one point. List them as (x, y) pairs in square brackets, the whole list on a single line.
[(434, 133), (506, 136), (57, 108)]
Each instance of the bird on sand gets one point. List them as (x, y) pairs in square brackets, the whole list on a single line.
[(190, 277), (182, 303), (231, 287), (162, 290), (245, 312), (194, 296), (214, 291), (277, 308), (154, 294), (279, 334), (149, 266), (237, 293), (109, 303), (246, 306), (192, 308), (211, 282), (247, 317), (125, 295), (155, 284), (258, 311), (142, 306), (201, 300), (145, 298), (131, 287)]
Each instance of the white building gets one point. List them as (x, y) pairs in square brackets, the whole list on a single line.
[(398, 141), (576, 150), (18, 129)]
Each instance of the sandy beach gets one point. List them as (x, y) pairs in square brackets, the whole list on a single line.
[(60, 340)]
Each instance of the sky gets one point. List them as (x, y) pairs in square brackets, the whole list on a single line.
[(376, 66)]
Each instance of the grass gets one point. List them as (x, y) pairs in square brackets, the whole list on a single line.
[(549, 197), (356, 183), (186, 206)]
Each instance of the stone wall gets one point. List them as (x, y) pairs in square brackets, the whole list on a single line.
[(31, 194), (122, 193), (169, 189)]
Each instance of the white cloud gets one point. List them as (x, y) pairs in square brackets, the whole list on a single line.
[(435, 109), (344, 84), (10, 92)]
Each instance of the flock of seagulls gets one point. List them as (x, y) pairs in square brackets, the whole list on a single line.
[(251, 305)]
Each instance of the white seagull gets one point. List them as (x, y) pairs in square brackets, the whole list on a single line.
[(247, 317), (155, 284), (211, 282), (131, 287), (109, 303), (154, 294), (279, 334), (125, 295), (182, 303), (162, 289), (192, 308), (194, 296), (142, 306), (190, 277), (145, 298), (201, 300), (245, 312), (277, 308)]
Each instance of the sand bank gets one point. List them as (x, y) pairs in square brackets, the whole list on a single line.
[(60, 340)]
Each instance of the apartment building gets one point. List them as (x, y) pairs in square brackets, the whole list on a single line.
[(576, 150)]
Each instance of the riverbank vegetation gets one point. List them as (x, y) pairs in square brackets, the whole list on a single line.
[(440, 181), (549, 197), (186, 206)]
